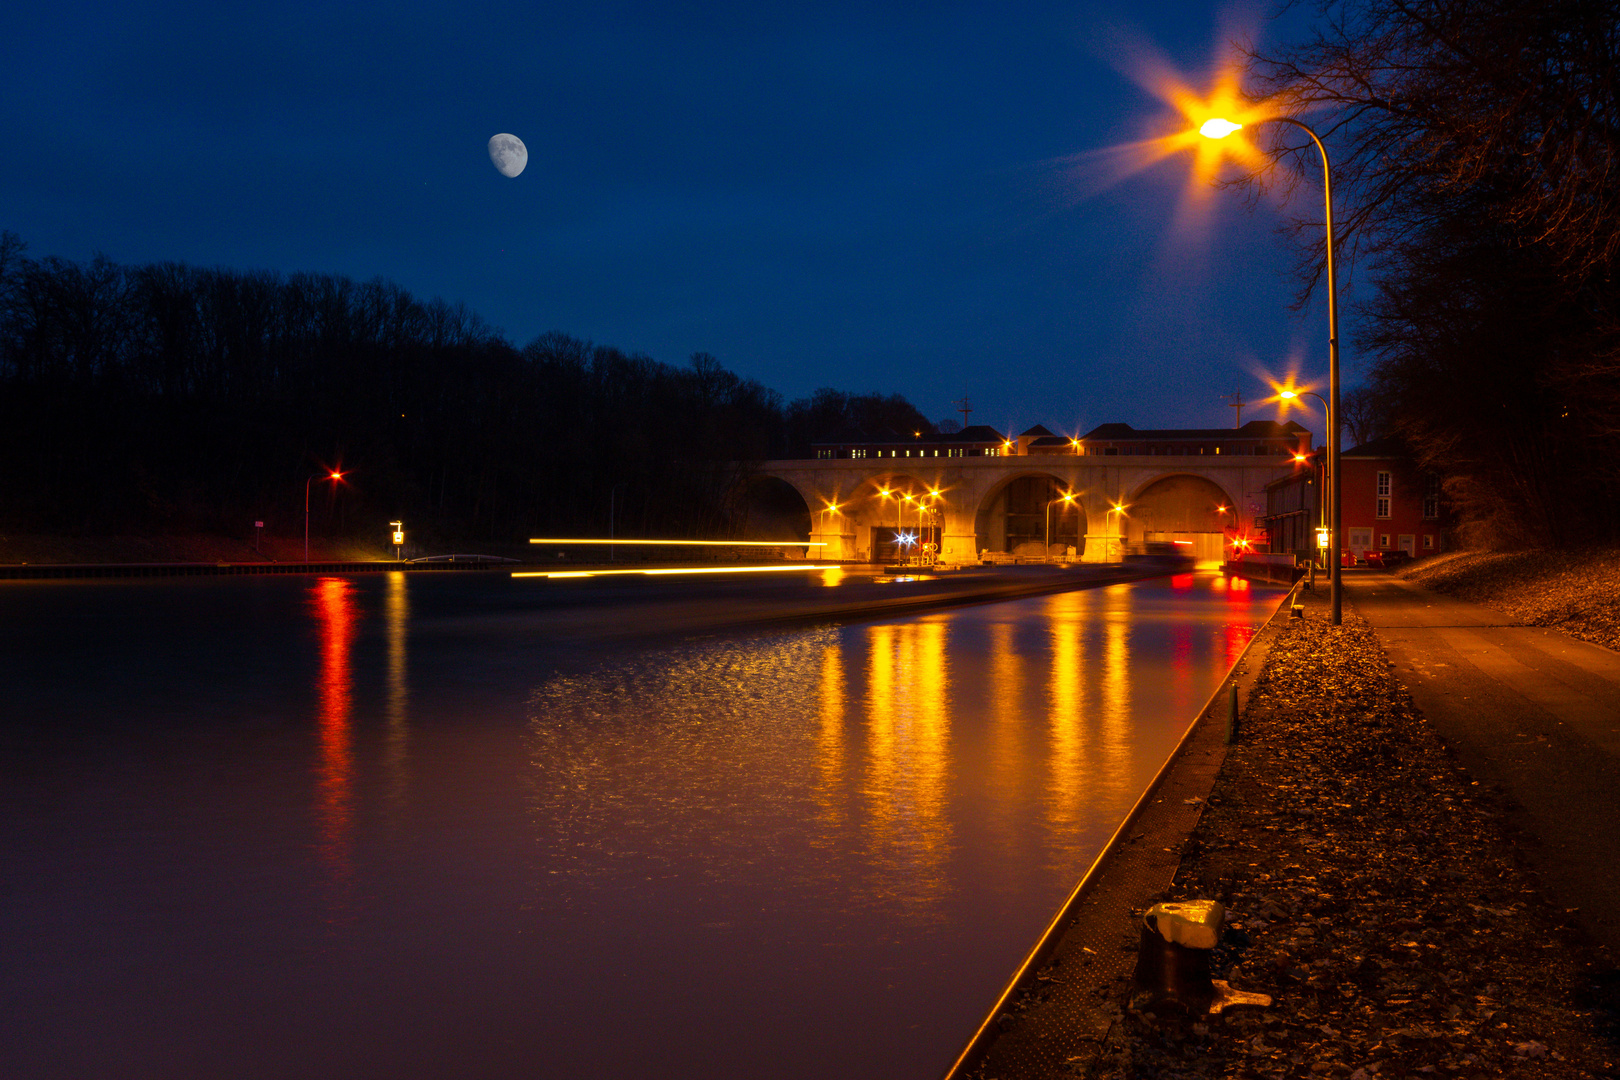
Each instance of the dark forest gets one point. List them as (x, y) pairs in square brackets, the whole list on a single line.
[(169, 399)]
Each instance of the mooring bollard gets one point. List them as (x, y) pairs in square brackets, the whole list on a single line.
[(1172, 961)]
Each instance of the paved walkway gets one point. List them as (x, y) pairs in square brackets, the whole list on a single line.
[(1528, 709)]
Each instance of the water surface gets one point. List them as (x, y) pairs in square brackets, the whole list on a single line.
[(405, 826)]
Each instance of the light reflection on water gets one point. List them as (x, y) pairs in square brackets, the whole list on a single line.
[(360, 831), (335, 612)]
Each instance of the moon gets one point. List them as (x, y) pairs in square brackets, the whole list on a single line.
[(508, 154)]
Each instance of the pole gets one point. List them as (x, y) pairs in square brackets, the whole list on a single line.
[(1337, 524)]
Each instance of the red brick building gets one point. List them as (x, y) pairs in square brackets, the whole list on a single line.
[(1388, 504)]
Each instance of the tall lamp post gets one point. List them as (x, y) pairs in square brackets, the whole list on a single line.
[(1067, 500), (1327, 476), (335, 475), (1220, 129)]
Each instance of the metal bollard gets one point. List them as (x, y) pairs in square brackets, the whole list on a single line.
[(1172, 961), (1232, 715)]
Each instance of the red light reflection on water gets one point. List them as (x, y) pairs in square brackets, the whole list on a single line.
[(332, 602), (1182, 582)]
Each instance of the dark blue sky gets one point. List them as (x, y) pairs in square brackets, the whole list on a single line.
[(877, 197)]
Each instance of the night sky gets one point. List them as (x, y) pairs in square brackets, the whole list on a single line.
[(926, 199)]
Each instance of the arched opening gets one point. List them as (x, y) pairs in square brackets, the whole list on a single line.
[(773, 509), (1029, 516), (894, 518), (1189, 512)]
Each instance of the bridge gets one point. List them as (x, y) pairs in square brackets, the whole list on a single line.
[(1016, 504)]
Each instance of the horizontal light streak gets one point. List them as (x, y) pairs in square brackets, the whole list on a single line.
[(675, 570), (692, 543)]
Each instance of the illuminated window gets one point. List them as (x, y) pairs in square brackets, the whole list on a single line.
[(1383, 507), (858, 453)]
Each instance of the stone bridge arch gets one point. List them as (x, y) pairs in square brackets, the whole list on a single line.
[(1013, 513), (1184, 508)]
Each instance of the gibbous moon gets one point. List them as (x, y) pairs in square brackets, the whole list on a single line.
[(509, 154)]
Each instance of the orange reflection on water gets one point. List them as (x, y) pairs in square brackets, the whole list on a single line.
[(830, 751), (397, 616), (1114, 716), (1066, 713), (908, 724), (1008, 765), (335, 608)]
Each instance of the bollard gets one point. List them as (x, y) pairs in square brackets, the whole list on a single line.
[(1232, 716), (1172, 961)]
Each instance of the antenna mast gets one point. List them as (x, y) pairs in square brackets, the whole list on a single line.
[(1235, 401)]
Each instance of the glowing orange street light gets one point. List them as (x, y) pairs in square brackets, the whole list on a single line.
[(1068, 500), (336, 475), (1217, 128)]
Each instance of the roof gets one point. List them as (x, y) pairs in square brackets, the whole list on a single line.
[(1254, 429), (1038, 431), (978, 433), (1390, 447)]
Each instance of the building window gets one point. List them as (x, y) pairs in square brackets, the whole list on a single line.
[(1431, 497), (858, 453), (1383, 541), (1383, 506), (824, 453), (1428, 541), (1383, 483)]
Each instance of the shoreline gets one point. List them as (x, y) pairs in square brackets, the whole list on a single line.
[(1381, 895)]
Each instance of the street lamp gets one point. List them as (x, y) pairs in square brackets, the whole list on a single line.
[(1327, 411), (1068, 500), (1116, 508), (336, 475), (1220, 129)]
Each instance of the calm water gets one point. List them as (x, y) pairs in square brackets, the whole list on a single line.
[(408, 827)]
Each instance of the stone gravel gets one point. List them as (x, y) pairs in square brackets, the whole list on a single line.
[(1375, 892)]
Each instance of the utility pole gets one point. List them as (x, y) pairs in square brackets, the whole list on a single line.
[(1235, 401)]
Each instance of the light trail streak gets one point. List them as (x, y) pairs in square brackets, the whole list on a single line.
[(691, 543), (673, 570)]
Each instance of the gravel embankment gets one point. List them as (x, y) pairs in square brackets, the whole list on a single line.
[(1375, 892), (1577, 592)]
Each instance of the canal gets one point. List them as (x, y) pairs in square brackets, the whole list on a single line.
[(466, 825)]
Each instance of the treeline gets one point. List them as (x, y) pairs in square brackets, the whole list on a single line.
[(1476, 157), (171, 398)]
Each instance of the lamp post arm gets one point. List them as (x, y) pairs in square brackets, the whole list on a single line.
[(1333, 370)]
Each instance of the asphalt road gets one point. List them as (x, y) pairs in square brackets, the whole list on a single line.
[(1528, 709)]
